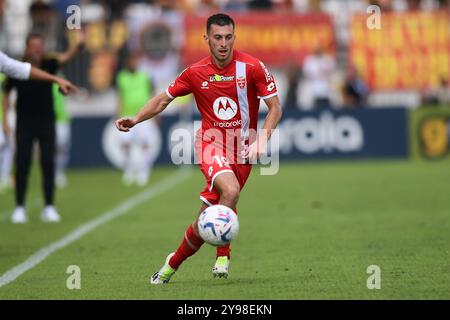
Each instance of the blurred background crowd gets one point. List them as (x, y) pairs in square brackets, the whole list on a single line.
[(326, 60), (327, 56)]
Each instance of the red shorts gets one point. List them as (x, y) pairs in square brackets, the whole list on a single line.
[(213, 161), (211, 171)]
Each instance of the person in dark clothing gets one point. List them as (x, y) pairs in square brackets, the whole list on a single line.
[(35, 121), (355, 90)]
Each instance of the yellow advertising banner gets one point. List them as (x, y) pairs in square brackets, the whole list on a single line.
[(410, 50)]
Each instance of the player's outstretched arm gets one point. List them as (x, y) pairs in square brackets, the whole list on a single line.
[(65, 86), (259, 147), (153, 107), (24, 71)]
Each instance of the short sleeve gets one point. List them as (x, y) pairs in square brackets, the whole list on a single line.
[(13, 68), (264, 82), (181, 86)]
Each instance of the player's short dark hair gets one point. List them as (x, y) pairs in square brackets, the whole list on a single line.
[(33, 35), (220, 19)]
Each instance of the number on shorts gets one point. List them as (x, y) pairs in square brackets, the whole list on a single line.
[(221, 161)]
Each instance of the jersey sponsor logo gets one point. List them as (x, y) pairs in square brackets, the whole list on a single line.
[(219, 78), (241, 82), (266, 72), (225, 108), (204, 85), (271, 86), (228, 124)]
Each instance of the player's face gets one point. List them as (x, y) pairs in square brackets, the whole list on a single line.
[(220, 41), (35, 48)]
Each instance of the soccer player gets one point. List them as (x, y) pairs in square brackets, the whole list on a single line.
[(35, 120), (227, 86), (135, 89)]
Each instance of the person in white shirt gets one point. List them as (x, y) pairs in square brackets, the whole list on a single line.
[(24, 70), (318, 69)]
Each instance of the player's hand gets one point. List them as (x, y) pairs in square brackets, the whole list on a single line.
[(256, 150), (66, 87), (125, 124)]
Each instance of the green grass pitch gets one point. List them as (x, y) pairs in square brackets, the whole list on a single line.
[(309, 232)]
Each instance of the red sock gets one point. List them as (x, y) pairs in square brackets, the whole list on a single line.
[(190, 245), (223, 251)]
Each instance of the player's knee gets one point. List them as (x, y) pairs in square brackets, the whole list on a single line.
[(230, 194)]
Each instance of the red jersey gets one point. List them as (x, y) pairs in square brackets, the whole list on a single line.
[(227, 98)]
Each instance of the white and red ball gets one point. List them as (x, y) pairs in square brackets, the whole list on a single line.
[(218, 225)]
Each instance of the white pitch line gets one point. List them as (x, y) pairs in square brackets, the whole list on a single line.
[(76, 234)]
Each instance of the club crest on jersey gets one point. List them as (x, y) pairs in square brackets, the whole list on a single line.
[(219, 78), (241, 82), (225, 108)]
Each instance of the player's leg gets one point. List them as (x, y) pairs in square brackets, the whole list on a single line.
[(62, 153), (143, 165), (125, 143), (229, 190), (190, 244), (24, 143), (152, 138), (47, 142), (6, 159), (143, 162), (229, 186)]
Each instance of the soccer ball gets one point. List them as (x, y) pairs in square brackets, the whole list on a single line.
[(218, 225)]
